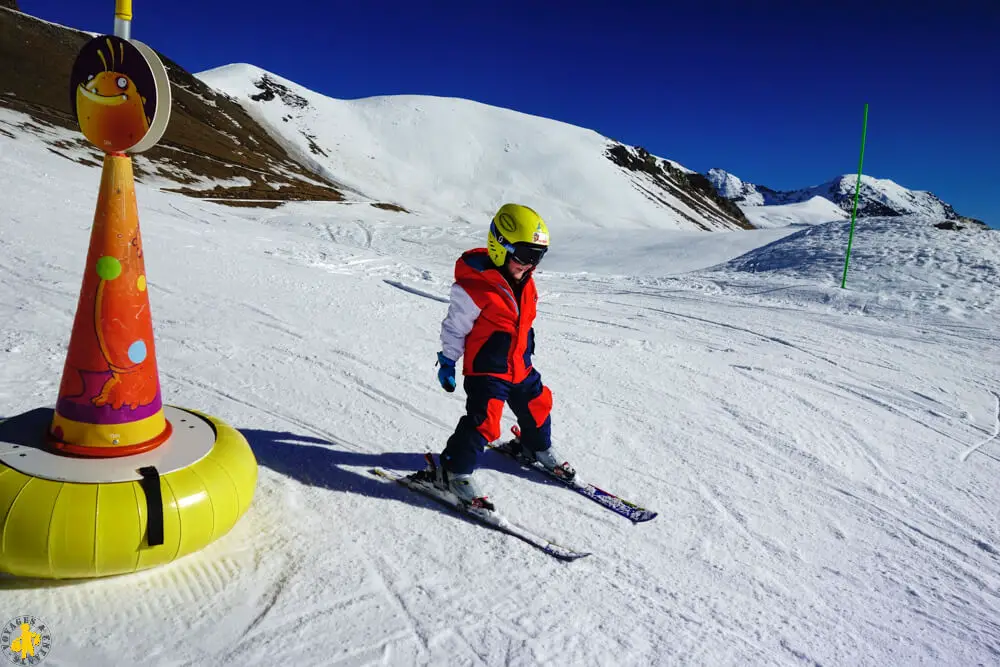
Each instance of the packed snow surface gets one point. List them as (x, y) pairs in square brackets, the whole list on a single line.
[(825, 462)]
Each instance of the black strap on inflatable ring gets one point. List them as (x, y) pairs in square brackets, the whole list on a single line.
[(154, 505)]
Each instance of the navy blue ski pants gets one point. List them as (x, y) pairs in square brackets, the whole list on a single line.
[(531, 402)]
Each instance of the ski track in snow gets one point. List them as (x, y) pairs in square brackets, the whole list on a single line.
[(421, 629), (996, 431)]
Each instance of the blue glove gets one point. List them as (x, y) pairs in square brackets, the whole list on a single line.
[(446, 374)]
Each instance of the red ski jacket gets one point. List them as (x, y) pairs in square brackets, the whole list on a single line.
[(487, 322)]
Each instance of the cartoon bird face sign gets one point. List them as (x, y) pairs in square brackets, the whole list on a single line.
[(113, 93)]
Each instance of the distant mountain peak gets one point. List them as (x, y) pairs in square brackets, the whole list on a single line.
[(734, 189), (877, 197)]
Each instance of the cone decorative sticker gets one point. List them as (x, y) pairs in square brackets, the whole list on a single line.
[(113, 93), (110, 391)]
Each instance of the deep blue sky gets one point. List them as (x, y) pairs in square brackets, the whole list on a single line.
[(775, 96)]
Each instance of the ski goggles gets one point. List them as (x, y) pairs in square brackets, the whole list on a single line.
[(523, 253)]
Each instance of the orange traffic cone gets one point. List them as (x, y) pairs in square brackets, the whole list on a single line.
[(109, 399)]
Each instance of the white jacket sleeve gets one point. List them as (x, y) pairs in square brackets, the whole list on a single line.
[(462, 314)]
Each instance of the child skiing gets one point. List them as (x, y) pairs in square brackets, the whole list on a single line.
[(489, 322)]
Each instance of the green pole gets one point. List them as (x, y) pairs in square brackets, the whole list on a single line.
[(857, 189)]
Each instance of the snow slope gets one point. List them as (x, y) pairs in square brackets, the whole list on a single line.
[(826, 474), (458, 159), (918, 274), (814, 211)]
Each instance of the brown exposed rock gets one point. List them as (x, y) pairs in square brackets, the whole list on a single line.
[(389, 207), (210, 137), (693, 189)]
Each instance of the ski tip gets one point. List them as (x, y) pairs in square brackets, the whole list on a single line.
[(390, 475), (643, 516)]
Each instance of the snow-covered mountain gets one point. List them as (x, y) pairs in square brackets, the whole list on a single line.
[(877, 197), (212, 149), (735, 189), (246, 137), (470, 157)]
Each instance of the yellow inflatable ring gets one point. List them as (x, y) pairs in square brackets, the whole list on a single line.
[(62, 530)]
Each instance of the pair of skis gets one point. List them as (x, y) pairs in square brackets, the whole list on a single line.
[(498, 521)]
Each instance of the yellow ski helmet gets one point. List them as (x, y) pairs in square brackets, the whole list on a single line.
[(519, 231)]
